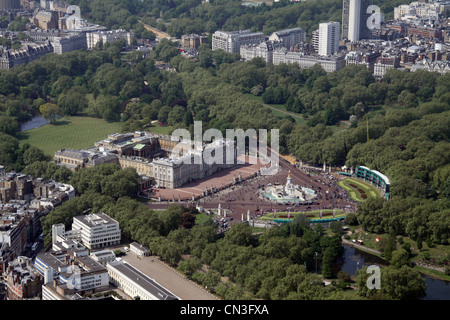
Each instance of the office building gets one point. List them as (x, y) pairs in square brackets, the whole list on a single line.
[(354, 19), (94, 231), (69, 43), (69, 274), (103, 256), (232, 41), (289, 37), (328, 38), (139, 249)]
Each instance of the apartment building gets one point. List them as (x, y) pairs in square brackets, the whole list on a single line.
[(263, 50), (421, 9), (330, 64), (22, 280), (328, 38), (92, 38), (441, 67), (362, 58), (382, 64), (29, 52), (18, 227), (193, 41)]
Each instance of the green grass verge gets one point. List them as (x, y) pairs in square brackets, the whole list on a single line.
[(201, 218), (75, 132), (370, 191), (316, 213), (432, 273), (279, 109)]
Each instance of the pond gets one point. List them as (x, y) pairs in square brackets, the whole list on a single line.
[(355, 259), (35, 122)]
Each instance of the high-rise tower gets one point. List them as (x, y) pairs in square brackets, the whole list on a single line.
[(328, 38), (354, 19), (7, 5)]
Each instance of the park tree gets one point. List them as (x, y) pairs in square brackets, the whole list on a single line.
[(327, 263), (8, 147), (399, 258), (240, 234), (8, 125), (122, 183), (73, 102), (50, 111), (34, 154), (189, 266), (402, 283)]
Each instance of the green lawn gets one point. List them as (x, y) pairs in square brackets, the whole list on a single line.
[(369, 191), (279, 109), (159, 129), (75, 132)]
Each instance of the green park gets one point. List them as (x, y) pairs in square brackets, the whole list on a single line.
[(74, 132), (359, 190)]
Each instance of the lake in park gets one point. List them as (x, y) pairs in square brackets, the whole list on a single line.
[(35, 122), (355, 259)]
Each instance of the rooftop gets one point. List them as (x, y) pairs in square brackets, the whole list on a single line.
[(95, 219), (142, 280)]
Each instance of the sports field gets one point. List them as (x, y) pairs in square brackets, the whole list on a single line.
[(359, 190), (69, 133)]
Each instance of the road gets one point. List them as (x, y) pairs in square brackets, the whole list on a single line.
[(159, 33), (168, 277)]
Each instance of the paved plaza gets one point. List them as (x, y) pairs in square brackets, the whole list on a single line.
[(247, 195)]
